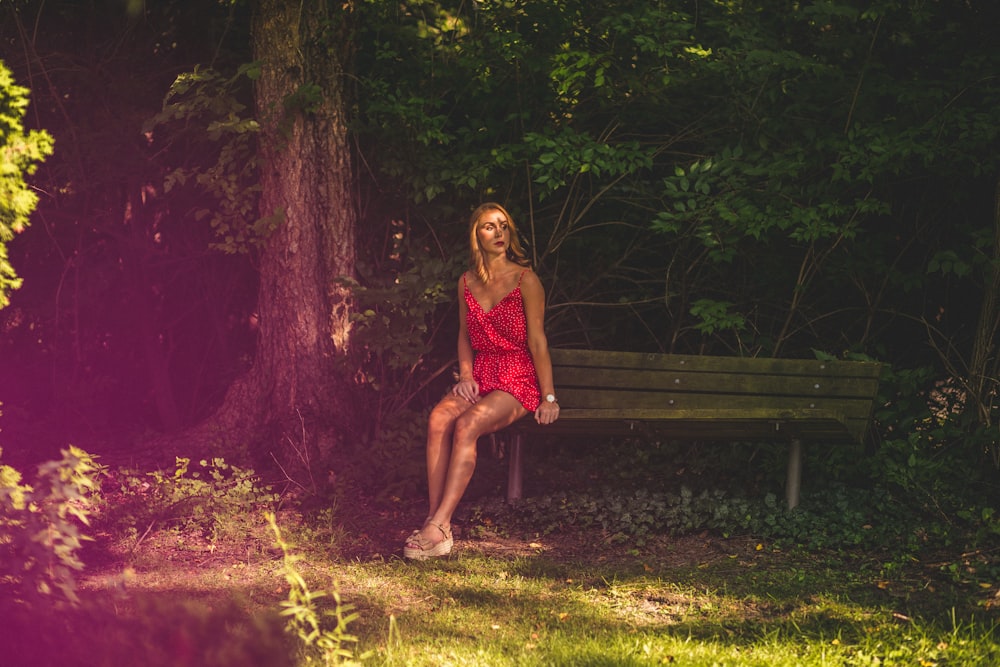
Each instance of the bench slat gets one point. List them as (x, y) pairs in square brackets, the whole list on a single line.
[(829, 432), (653, 381), (667, 401), (709, 425), (743, 365), (854, 413)]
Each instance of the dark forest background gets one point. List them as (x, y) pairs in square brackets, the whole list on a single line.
[(758, 178)]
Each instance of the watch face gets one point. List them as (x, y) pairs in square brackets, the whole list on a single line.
[(550, 398)]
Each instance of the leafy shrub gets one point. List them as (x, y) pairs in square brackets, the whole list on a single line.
[(393, 322), (835, 519), (930, 448), (319, 641), (399, 312), (40, 533), (214, 497), (394, 463)]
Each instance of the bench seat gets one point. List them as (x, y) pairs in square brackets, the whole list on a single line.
[(705, 398)]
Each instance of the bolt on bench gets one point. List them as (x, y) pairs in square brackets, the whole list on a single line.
[(705, 398)]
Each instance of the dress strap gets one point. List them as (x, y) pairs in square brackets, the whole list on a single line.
[(521, 277)]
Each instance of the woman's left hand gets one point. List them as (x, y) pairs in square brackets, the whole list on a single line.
[(547, 413)]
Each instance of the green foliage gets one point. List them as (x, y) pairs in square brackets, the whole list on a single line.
[(561, 155), (396, 324), (793, 203), (320, 643), (939, 467), (214, 497), (394, 465), (210, 152), (20, 153), (392, 324), (927, 451), (784, 162), (839, 518), (40, 536), (715, 316), (508, 128)]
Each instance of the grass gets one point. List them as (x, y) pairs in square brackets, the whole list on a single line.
[(698, 600), (573, 597), (481, 610)]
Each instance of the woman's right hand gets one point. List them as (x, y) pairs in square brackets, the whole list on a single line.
[(467, 389)]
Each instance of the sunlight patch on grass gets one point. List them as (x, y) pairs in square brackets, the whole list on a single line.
[(476, 610)]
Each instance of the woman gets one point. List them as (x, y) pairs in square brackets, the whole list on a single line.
[(504, 369)]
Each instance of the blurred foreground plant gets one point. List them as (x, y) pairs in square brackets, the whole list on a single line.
[(305, 619), (40, 533)]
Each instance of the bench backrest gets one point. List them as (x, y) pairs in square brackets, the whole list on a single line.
[(590, 382)]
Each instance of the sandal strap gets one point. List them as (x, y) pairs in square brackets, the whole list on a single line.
[(446, 533), (417, 531)]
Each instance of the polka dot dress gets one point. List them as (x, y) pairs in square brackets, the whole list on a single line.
[(500, 340)]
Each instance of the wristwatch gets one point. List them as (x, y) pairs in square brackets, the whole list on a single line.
[(550, 398)]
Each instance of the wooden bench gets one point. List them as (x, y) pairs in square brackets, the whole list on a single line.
[(705, 398)]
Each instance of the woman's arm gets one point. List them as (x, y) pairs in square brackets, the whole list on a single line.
[(533, 295), (466, 387)]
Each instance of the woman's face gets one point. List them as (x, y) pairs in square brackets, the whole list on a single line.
[(492, 232)]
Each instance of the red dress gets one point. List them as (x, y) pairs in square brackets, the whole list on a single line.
[(499, 339)]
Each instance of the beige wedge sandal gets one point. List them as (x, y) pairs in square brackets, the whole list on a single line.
[(420, 548)]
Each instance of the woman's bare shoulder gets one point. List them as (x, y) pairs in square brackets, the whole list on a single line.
[(528, 275), (530, 281)]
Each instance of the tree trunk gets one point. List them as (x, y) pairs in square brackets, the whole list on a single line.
[(294, 397), (985, 363)]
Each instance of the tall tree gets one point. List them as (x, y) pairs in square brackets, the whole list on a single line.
[(304, 52), (142, 251)]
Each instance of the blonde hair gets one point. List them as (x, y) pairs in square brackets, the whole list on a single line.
[(515, 252)]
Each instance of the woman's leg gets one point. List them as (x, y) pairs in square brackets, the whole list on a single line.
[(440, 432), (492, 413)]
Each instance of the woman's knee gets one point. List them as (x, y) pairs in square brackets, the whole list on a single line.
[(488, 416), (469, 426), (442, 418)]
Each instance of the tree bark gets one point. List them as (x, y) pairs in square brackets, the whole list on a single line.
[(984, 362), (294, 396)]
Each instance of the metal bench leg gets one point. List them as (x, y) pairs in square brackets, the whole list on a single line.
[(794, 473), (514, 472)]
